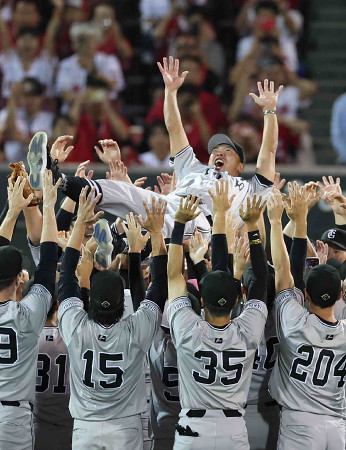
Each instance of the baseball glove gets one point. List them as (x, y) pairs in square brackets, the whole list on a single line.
[(18, 169)]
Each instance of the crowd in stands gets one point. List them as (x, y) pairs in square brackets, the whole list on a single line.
[(88, 69)]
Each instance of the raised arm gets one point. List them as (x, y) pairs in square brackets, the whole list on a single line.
[(16, 202), (173, 81), (281, 262), (258, 286), (176, 281), (267, 100)]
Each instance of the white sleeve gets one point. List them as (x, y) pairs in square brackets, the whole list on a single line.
[(185, 163), (34, 307), (145, 323), (252, 320), (181, 318), (290, 315), (70, 314), (35, 252)]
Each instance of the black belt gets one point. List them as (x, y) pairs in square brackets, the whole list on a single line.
[(201, 413), (6, 403), (272, 403)]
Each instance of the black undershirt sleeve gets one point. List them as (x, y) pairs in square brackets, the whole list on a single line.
[(219, 252), (68, 282), (136, 280), (46, 269), (158, 289), (64, 220), (297, 260), (259, 282)]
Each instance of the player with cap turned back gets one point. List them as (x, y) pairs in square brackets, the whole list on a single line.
[(21, 322), (226, 161), (215, 355), (308, 377), (107, 354)]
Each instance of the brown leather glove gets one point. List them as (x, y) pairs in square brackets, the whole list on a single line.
[(18, 170)]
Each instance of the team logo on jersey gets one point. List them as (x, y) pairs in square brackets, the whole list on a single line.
[(102, 337), (49, 337), (325, 297), (105, 304), (330, 337), (222, 301), (218, 340)]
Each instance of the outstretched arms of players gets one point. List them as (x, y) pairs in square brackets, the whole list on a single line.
[(185, 213), (267, 100), (170, 74)]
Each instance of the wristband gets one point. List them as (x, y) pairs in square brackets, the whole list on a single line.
[(269, 111), (254, 237), (177, 233)]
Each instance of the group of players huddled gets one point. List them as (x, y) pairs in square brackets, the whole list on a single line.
[(170, 328)]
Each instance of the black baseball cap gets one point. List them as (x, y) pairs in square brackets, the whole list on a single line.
[(32, 86), (220, 290), (323, 284), (336, 237), (219, 139), (11, 261), (107, 290)]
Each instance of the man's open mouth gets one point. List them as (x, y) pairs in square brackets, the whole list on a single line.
[(219, 163)]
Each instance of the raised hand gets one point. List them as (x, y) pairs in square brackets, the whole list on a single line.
[(140, 181), (329, 185), (155, 218), (253, 210), (275, 206), (187, 209), (267, 98), (337, 202), (314, 195), (58, 151), (298, 207), (170, 74), (84, 268), (231, 230), (278, 184), (86, 214), (63, 237), (241, 256), (134, 235), (198, 247), (322, 251), (80, 172), (16, 199), (165, 184), (118, 171), (50, 191), (110, 151), (221, 201)]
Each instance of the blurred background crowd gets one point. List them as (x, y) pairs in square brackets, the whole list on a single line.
[(87, 68)]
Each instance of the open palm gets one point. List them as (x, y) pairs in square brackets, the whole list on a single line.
[(267, 98), (170, 74)]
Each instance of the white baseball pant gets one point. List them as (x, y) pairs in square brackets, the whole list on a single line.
[(16, 427)]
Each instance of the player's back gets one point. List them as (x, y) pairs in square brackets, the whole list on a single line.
[(106, 362), (53, 379), (310, 369), (214, 363), (20, 325), (165, 403)]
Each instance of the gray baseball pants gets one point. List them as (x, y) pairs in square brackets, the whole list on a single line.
[(16, 427), (302, 430)]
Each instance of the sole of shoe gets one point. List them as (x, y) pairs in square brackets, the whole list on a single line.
[(103, 237), (37, 160)]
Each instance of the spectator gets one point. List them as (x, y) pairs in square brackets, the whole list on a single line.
[(265, 26), (338, 130), (73, 71), (23, 117), (245, 133), (96, 120), (158, 140), (25, 60), (113, 42), (63, 125), (25, 14)]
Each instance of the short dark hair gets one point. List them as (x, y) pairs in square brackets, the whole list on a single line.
[(28, 30), (32, 2), (105, 317), (4, 284), (193, 58), (189, 88), (220, 312), (267, 4), (158, 124)]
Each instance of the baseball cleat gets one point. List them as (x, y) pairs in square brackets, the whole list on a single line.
[(37, 160), (103, 237)]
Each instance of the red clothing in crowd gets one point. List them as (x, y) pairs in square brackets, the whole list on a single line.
[(212, 112)]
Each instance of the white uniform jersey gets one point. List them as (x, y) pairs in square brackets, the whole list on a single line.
[(309, 373), (340, 310), (52, 381), (215, 364), (265, 358), (195, 178), (165, 404), (106, 363), (20, 326)]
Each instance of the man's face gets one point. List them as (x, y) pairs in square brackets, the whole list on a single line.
[(336, 252), (32, 104), (186, 45), (63, 128), (159, 141), (274, 72), (225, 159), (28, 45), (194, 69), (102, 13), (26, 15)]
